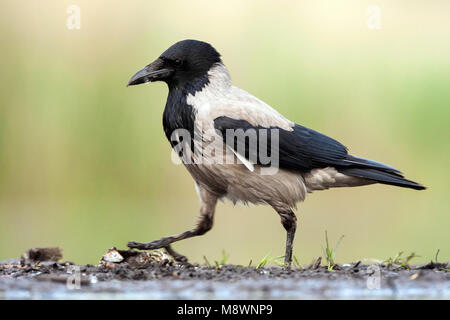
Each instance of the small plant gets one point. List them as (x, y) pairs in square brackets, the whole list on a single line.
[(263, 262), (206, 261), (398, 260), (225, 257), (280, 262), (266, 260), (441, 266), (330, 254), (436, 257), (296, 263), (222, 261), (392, 261), (408, 259)]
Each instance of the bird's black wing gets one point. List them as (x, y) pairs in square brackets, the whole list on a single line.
[(303, 149), (300, 149)]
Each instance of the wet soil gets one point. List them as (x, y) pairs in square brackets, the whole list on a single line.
[(135, 276)]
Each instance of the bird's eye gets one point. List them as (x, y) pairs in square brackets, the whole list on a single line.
[(178, 62)]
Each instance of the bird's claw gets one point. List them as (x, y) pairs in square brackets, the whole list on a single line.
[(178, 257), (158, 245)]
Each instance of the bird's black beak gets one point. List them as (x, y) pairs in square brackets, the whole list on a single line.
[(153, 72)]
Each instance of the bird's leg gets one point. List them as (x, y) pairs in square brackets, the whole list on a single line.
[(289, 222), (205, 223)]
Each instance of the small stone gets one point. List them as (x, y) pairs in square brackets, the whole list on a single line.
[(35, 255), (112, 256), (414, 276)]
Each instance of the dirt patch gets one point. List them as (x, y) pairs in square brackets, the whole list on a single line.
[(131, 274)]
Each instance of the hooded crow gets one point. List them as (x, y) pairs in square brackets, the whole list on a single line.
[(237, 147)]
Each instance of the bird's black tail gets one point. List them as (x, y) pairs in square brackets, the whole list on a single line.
[(378, 172)]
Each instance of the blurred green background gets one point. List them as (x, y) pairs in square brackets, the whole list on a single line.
[(85, 165)]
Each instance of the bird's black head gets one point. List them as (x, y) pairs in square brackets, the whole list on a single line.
[(183, 62)]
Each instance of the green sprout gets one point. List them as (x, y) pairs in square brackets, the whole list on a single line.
[(297, 263), (268, 259), (330, 254), (222, 261), (398, 260)]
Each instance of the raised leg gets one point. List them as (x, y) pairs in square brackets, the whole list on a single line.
[(289, 222), (205, 223)]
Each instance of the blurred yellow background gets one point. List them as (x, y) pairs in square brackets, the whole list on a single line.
[(85, 165)]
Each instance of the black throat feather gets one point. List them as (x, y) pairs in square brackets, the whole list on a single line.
[(178, 114)]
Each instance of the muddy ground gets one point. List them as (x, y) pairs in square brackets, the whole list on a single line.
[(132, 275)]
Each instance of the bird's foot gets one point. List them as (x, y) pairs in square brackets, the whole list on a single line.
[(158, 244)]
